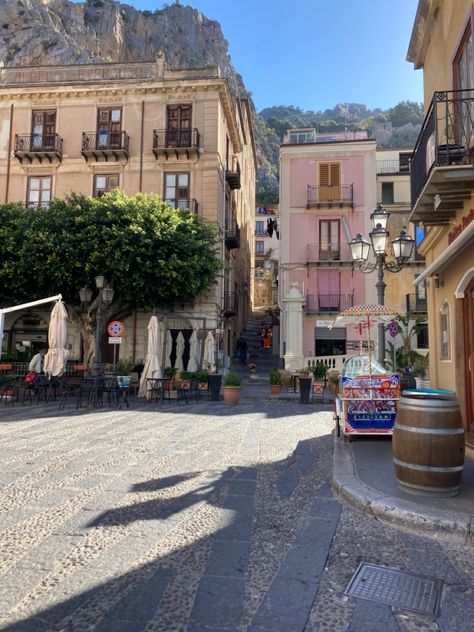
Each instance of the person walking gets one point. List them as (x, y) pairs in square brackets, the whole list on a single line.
[(242, 347), (37, 362)]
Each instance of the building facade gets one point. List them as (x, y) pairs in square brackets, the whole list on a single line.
[(267, 255), (327, 191), (442, 184), (142, 127)]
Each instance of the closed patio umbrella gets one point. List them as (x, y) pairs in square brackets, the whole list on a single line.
[(179, 352), (169, 348), (210, 350), (152, 363), (56, 357), (193, 349)]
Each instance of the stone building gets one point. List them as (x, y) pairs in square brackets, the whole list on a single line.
[(142, 127), (442, 184)]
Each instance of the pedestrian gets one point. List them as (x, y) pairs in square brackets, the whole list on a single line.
[(37, 362), (242, 347)]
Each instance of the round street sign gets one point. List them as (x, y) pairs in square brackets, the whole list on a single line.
[(393, 329), (115, 328)]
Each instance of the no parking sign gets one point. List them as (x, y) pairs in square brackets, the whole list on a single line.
[(393, 329), (115, 328)]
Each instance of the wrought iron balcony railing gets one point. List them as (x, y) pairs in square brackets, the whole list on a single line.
[(393, 166), (184, 203), (232, 173), (230, 304), (105, 143), (31, 146), (168, 142), (342, 195), (328, 303), (415, 304), (446, 137), (232, 232), (321, 253)]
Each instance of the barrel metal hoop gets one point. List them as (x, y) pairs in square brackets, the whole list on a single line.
[(428, 468), (442, 491), (429, 409), (435, 431)]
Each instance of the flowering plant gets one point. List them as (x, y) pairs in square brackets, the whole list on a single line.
[(251, 366)]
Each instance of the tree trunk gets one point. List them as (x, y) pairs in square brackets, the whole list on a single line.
[(86, 322)]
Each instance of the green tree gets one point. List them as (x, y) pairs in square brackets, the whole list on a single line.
[(406, 112), (154, 255)]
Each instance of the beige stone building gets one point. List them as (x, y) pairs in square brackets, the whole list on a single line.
[(442, 184), (141, 127), (267, 254)]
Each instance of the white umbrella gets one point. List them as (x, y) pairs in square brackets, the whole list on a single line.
[(152, 362), (210, 350), (55, 359), (179, 352), (169, 348), (193, 348)]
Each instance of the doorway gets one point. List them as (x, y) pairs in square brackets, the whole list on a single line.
[(469, 355)]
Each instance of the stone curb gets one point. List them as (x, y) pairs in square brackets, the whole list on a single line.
[(456, 527)]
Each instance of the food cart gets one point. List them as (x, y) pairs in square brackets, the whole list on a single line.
[(368, 394), (367, 399)]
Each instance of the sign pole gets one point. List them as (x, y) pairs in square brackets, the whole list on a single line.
[(115, 355)]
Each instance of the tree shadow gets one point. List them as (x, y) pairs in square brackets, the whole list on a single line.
[(129, 602)]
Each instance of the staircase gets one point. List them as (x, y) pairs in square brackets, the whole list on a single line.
[(262, 358)]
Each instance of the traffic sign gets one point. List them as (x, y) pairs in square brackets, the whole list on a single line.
[(393, 329), (115, 328), (115, 341)]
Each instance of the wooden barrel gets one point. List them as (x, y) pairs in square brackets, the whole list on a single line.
[(428, 443)]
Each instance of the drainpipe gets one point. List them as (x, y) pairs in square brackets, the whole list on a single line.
[(140, 180), (9, 157)]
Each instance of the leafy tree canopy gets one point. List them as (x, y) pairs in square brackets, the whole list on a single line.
[(155, 255)]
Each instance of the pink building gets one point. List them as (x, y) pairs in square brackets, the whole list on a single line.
[(327, 192)]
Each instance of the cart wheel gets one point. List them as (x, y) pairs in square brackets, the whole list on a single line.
[(338, 426), (348, 438)]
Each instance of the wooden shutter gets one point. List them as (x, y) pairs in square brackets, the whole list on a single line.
[(329, 181), (335, 181), (324, 182)]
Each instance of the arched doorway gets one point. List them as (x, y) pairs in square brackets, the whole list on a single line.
[(29, 333)]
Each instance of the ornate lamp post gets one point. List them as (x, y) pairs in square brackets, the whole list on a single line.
[(402, 250), (104, 299)]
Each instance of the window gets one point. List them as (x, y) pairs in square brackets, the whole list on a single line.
[(329, 244), (38, 191), (330, 342), (259, 247), (463, 72), (105, 183), (177, 190), (109, 128), (445, 351), (404, 161), (329, 182), (178, 130), (387, 193), (260, 228), (43, 128), (422, 336)]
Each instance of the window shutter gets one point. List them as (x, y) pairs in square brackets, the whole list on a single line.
[(323, 174)]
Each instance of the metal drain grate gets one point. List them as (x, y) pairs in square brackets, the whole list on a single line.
[(395, 588)]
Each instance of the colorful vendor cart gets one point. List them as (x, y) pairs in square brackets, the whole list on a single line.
[(368, 396)]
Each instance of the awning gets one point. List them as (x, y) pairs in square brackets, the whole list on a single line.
[(452, 251)]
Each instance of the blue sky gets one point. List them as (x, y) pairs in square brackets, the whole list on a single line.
[(317, 53)]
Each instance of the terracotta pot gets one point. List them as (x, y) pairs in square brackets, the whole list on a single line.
[(231, 395), (275, 388), (169, 385)]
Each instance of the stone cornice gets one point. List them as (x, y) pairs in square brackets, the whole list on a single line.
[(425, 18)]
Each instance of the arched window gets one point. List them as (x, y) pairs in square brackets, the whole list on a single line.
[(445, 341)]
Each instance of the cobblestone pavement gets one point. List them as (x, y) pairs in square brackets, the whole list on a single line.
[(199, 518)]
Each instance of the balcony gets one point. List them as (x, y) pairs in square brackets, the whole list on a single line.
[(329, 255), (105, 146), (232, 173), (415, 304), (442, 169), (182, 203), (330, 196), (328, 303), (38, 147), (176, 143), (398, 166), (232, 233), (230, 304)]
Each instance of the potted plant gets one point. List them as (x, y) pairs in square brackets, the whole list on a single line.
[(186, 379), (306, 381), (202, 378), (124, 370), (275, 381), (232, 382), (334, 382), (169, 374), (319, 371)]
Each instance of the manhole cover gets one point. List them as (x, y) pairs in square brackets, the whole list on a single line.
[(395, 588)]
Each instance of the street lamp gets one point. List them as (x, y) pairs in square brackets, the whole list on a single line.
[(103, 299), (402, 250)]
